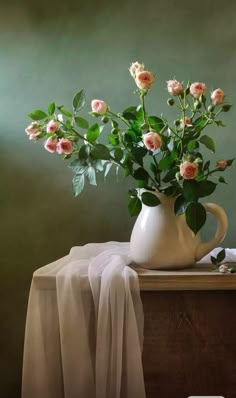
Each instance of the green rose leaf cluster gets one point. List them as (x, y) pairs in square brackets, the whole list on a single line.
[(158, 155)]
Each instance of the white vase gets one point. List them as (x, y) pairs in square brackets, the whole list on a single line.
[(162, 240)]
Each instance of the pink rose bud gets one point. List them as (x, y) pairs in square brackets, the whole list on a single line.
[(144, 80), (174, 87), (152, 141), (32, 128), (217, 96), (187, 122), (64, 146), (197, 89), (222, 164), (223, 269), (52, 126), (99, 106), (135, 68), (188, 170), (33, 136), (51, 144)]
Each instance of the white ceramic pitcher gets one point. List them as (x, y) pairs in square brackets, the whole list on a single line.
[(162, 240)]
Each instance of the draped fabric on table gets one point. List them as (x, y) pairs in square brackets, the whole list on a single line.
[(84, 338)]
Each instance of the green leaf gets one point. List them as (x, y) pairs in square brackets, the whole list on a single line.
[(64, 111), (141, 184), (100, 151), (84, 152), (230, 161), (170, 175), (206, 165), (113, 139), (150, 199), (141, 174), (222, 180), (134, 206), (153, 168), (190, 190), (226, 107), (172, 190), (200, 122), (205, 188), (140, 114), (107, 169), (133, 192), (51, 108), (214, 260), (208, 142), (93, 133), (135, 127), (220, 256), (195, 216), (138, 154), (78, 184), (165, 162), (118, 154), (78, 101), (99, 165), (180, 205), (130, 113), (219, 123), (74, 163), (130, 136), (68, 124), (37, 114), (77, 166), (81, 122), (156, 123), (91, 174), (192, 145)]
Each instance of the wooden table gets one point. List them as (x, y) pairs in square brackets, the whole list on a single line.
[(190, 332)]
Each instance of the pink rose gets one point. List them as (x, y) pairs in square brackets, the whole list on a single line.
[(187, 122), (174, 87), (52, 126), (223, 269), (99, 106), (188, 170), (197, 89), (144, 80), (222, 164), (51, 144), (152, 141), (64, 146), (32, 128), (135, 68), (217, 96)]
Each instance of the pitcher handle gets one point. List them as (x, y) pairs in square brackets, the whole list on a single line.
[(222, 226)]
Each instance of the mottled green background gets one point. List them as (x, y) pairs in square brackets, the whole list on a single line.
[(49, 50)]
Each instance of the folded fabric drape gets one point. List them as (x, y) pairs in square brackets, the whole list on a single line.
[(84, 339)]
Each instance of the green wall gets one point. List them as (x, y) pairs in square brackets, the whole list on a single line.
[(49, 50)]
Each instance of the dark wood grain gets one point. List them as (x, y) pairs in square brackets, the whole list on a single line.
[(190, 343)]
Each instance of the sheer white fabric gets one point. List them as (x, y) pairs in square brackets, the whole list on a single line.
[(84, 338)]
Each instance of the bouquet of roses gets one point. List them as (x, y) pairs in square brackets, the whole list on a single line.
[(161, 156)]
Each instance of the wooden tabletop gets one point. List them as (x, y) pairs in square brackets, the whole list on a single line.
[(200, 277)]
